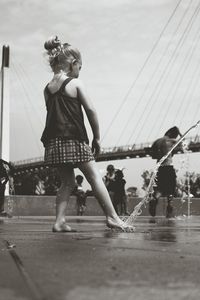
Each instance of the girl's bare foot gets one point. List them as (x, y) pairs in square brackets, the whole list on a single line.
[(119, 225), (63, 227)]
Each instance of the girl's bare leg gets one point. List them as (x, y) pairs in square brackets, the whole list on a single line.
[(94, 178), (67, 185)]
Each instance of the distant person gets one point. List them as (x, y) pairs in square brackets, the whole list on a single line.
[(80, 196), (119, 197), (28, 184), (4, 178), (39, 186), (65, 138), (50, 185), (166, 175), (109, 180)]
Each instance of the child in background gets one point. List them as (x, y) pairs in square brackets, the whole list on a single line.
[(109, 180), (65, 138), (119, 198), (80, 196)]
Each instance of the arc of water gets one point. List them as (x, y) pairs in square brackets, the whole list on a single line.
[(138, 208)]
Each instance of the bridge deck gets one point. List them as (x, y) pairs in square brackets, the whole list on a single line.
[(115, 153)]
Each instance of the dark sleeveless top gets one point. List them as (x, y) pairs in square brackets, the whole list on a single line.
[(64, 116)]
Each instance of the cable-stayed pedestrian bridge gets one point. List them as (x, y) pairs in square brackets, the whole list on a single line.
[(164, 92), (114, 153)]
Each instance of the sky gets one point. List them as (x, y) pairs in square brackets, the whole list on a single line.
[(140, 67)]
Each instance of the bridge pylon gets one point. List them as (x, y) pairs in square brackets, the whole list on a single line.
[(5, 106)]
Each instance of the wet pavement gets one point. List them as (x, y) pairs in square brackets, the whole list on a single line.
[(161, 260)]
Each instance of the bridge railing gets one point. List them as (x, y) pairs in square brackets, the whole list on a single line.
[(125, 148), (103, 151), (29, 161), (109, 150)]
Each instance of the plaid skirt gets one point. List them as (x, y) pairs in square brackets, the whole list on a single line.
[(62, 151)]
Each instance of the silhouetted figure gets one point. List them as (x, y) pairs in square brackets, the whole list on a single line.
[(51, 185), (80, 196), (119, 197), (166, 176), (4, 178), (28, 185), (109, 179)]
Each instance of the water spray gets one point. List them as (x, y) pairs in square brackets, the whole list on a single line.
[(138, 208)]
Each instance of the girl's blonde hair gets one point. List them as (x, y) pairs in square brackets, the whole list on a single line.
[(60, 54)]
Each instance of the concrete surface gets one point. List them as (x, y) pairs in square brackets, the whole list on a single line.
[(45, 206), (160, 261)]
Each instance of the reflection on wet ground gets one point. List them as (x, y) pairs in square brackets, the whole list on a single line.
[(178, 230), (167, 232), (153, 229)]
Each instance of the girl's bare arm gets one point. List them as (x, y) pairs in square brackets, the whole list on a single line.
[(91, 115)]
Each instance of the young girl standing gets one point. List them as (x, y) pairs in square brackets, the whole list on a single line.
[(65, 138)]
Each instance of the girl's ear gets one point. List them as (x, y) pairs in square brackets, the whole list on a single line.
[(74, 61)]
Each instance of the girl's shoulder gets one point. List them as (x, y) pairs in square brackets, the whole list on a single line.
[(74, 87), (77, 83)]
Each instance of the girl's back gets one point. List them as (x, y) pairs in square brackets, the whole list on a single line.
[(70, 89), (64, 113)]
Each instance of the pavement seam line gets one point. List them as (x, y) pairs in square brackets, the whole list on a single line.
[(35, 292)]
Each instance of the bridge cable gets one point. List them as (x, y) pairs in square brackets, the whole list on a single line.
[(179, 78), (181, 41), (153, 74), (192, 85), (27, 112), (182, 104), (141, 70), (172, 59), (189, 87), (196, 111), (26, 90), (27, 77), (27, 97), (28, 117)]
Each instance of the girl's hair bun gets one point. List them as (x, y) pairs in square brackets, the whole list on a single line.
[(59, 54), (52, 43)]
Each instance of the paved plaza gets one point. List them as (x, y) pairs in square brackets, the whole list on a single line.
[(161, 260)]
